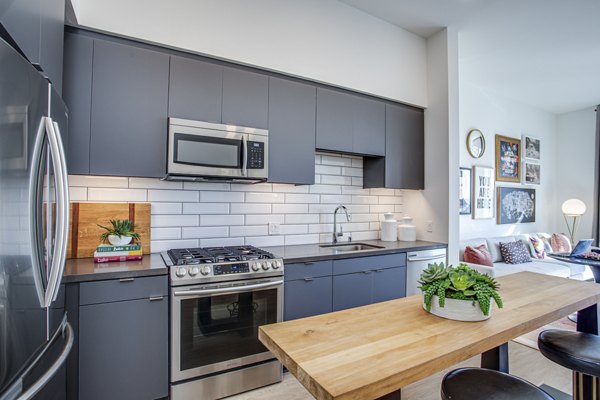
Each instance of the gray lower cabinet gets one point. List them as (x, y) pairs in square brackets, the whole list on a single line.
[(307, 297), (130, 89), (352, 290), (123, 345), (77, 93), (291, 132), (404, 164), (245, 98), (389, 284), (195, 90)]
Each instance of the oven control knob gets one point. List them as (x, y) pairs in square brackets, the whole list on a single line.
[(205, 270), (193, 271), (180, 272), (266, 265), (255, 266), (276, 264)]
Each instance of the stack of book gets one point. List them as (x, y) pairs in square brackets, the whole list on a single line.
[(108, 253)]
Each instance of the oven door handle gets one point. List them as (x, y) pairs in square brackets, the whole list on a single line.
[(236, 289)]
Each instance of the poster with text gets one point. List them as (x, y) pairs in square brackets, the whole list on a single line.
[(483, 192)]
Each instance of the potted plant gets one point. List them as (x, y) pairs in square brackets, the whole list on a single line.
[(460, 293), (119, 233)]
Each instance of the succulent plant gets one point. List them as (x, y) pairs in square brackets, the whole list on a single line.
[(433, 272)]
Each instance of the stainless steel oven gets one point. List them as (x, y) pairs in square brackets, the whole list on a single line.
[(201, 151)]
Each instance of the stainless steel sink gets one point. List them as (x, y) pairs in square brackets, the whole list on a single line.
[(349, 247)]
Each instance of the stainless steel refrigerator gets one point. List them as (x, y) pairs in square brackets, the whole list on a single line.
[(35, 336)]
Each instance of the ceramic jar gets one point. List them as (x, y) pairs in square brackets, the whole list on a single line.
[(389, 228), (407, 232)]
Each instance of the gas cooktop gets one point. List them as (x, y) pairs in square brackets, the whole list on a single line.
[(208, 255)]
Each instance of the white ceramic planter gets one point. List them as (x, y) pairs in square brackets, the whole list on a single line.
[(116, 240), (459, 310)]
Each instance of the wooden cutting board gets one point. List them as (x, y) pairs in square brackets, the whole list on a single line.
[(84, 232)]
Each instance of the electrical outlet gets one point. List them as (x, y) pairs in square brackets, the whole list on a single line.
[(274, 228), (429, 226)]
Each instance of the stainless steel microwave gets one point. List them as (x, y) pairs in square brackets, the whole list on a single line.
[(204, 151)]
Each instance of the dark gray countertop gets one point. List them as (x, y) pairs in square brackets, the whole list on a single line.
[(313, 252), (85, 270)]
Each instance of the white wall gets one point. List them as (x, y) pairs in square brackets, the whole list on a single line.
[(323, 40), (440, 198), (492, 115), (575, 156)]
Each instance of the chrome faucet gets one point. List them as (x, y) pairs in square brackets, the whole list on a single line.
[(337, 234)]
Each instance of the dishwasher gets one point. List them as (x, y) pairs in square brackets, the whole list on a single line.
[(417, 261)]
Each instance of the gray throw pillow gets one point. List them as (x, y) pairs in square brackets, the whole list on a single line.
[(515, 252)]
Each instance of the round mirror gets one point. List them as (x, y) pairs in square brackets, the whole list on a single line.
[(475, 143)]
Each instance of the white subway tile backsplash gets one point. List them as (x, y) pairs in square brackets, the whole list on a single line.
[(204, 232), (110, 194), (218, 220), (173, 195), (194, 214)]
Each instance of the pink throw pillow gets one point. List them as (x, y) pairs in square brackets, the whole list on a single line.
[(478, 255), (560, 243)]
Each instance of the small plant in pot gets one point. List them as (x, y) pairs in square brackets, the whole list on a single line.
[(461, 293), (120, 233)]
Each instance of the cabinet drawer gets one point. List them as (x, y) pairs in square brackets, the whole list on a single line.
[(122, 289), (351, 265), (307, 269)]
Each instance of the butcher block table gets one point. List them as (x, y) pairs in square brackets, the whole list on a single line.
[(373, 351)]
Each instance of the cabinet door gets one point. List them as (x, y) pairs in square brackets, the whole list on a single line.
[(389, 284), (291, 132), (123, 350), (77, 94), (369, 127), (129, 111), (404, 158), (307, 297), (245, 98), (21, 19), (334, 120), (352, 290), (195, 90), (52, 39)]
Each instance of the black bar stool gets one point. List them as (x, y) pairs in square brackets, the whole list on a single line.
[(577, 351), (488, 384)]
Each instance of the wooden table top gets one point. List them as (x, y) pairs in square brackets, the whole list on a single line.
[(370, 351)]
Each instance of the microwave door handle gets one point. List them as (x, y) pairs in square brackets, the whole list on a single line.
[(34, 180), (245, 156), (227, 290)]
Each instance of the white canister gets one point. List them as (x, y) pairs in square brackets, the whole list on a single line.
[(389, 228), (407, 232)]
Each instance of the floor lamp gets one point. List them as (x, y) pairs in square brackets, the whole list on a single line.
[(572, 210)]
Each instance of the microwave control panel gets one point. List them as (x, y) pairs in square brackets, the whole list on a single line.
[(256, 155)]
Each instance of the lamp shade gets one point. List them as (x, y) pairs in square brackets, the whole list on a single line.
[(573, 207)]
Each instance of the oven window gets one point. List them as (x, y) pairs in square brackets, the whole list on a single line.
[(224, 327), (207, 151)]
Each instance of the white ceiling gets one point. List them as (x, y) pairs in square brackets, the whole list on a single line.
[(544, 53)]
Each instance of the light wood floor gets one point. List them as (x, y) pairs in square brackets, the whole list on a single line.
[(525, 362)]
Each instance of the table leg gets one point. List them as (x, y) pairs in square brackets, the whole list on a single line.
[(496, 358), (584, 386), (397, 395)]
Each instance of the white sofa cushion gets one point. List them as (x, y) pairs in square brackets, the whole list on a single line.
[(562, 271)]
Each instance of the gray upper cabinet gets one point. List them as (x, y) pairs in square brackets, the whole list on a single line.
[(404, 164), (291, 132), (195, 90), (245, 98), (350, 123), (334, 121), (52, 38), (130, 89), (77, 94)]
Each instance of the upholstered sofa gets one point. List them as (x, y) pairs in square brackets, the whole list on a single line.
[(548, 266)]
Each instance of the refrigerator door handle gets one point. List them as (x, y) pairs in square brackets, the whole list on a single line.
[(62, 214), (34, 179)]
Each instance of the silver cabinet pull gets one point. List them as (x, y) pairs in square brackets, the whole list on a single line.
[(367, 271), (155, 298), (378, 270), (308, 263), (308, 279), (123, 280)]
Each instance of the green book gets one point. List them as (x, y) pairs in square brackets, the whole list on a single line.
[(107, 248)]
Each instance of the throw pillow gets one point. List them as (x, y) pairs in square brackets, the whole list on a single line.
[(547, 245), (560, 243), (538, 246), (515, 252), (478, 255)]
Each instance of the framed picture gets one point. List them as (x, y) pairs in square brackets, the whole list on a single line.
[(465, 191), (508, 158), (532, 173), (483, 192), (515, 205), (531, 148)]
